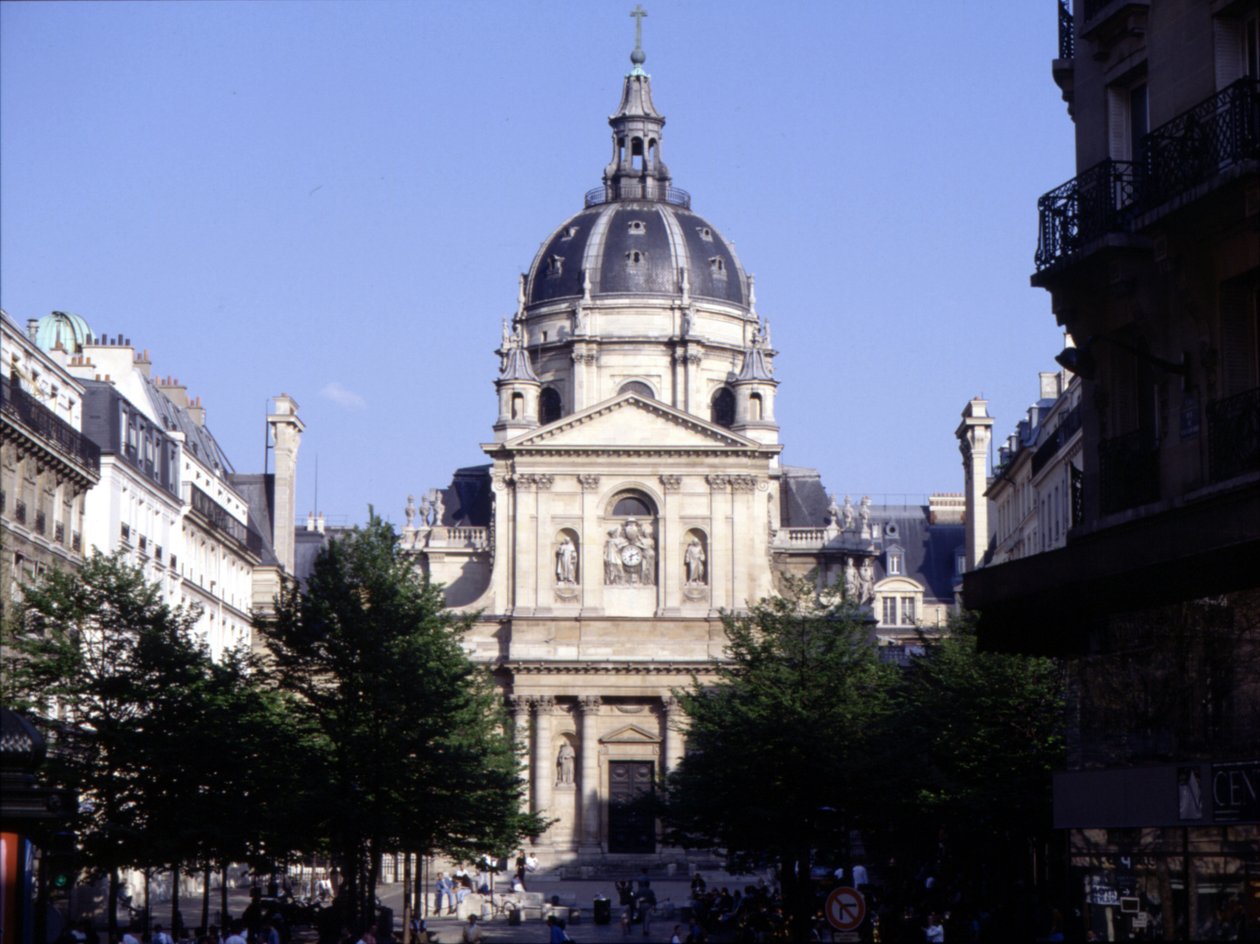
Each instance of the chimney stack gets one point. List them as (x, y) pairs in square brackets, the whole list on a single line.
[(286, 436)]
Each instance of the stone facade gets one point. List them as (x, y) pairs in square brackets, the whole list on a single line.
[(634, 493)]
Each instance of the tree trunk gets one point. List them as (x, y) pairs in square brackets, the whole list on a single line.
[(176, 921), (148, 912), (797, 898), (112, 910), (422, 901), (205, 899), (224, 917)]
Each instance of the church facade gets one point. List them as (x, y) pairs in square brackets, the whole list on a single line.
[(634, 492)]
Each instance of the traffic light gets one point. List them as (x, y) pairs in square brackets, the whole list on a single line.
[(59, 861)]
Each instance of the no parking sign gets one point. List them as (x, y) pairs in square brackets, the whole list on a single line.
[(845, 908)]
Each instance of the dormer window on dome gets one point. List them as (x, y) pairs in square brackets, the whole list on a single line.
[(555, 267), (705, 233), (637, 227), (569, 233), (717, 265), (635, 257)]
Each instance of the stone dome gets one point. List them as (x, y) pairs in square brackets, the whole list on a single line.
[(636, 247)]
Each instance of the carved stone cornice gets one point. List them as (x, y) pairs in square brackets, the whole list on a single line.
[(584, 357), (671, 483), (588, 481)]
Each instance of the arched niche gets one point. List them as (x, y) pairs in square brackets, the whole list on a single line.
[(630, 539), (694, 555)]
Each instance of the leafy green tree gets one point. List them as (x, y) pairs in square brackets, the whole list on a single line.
[(778, 764), (971, 744), (105, 665), (415, 754)]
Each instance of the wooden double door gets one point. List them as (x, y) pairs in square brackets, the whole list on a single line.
[(631, 826)]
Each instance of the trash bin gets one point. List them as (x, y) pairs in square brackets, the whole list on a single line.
[(514, 916), (602, 910)]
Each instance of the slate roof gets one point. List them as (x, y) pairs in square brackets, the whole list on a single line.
[(258, 490)]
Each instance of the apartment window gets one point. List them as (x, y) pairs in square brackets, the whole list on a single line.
[(1127, 119), (890, 611), (907, 611)]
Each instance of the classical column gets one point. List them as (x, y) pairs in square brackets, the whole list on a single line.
[(520, 737), (672, 746), (544, 761), (588, 706)]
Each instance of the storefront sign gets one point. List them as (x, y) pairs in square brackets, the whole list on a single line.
[(1236, 792)]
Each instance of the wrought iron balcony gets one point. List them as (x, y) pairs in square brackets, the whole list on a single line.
[(1067, 35), (47, 425), (222, 521), (1108, 198), (1128, 471), (1057, 440), (1086, 208), (1234, 436), (1200, 143)]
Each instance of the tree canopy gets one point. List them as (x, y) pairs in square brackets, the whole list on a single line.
[(414, 747), (777, 757)]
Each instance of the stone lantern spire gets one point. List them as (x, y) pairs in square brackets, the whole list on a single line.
[(636, 171)]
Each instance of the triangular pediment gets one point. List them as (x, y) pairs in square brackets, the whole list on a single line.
[(630, 421), (631, 734)]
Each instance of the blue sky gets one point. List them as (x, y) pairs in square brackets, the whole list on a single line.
[(334, 200)]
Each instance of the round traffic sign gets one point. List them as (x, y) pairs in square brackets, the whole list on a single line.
[(845, 908)]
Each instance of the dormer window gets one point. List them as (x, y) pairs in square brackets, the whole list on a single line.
[(717, 265), (705, 233), (637, 227), (635, 257), (569, 233), (555, 267), (896, 562)]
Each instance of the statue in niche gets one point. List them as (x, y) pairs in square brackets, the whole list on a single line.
[(848, 515), (410, 512), (564, 763), (630, 555), (693, 562), (866, 581), (566, 562), (850, 580), (833, 513)]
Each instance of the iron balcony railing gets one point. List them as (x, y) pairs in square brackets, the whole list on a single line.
[(1057, 440), (221, 520), (673, 195), (1086, 208), (1219, 132), (1234, 435), (1128, 471), (1201, 142), (46, 424), (1067, 35)]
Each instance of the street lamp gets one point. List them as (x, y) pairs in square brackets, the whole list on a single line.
[(1080, 360)]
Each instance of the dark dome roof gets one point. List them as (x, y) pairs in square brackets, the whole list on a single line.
[(636, 247)]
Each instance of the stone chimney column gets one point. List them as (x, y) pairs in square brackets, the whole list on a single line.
[(974, 434), (286, 436)]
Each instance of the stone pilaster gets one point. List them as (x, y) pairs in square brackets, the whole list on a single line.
[(589, 803), (672, 740)]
